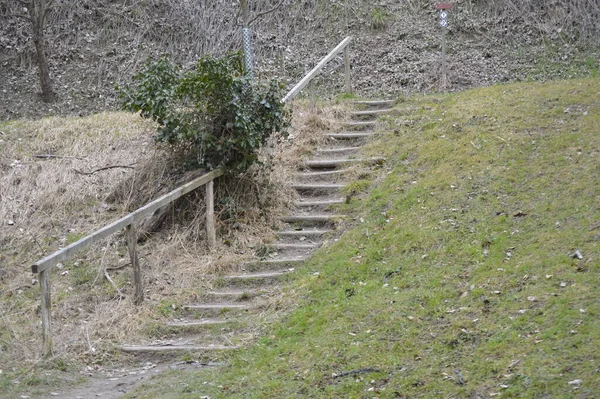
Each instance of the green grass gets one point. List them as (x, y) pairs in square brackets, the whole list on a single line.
[(379, 18), (463, 262)]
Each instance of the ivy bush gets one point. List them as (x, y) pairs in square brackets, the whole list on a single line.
[(213, 110)]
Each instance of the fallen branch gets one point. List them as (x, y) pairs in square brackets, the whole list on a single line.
[(52, 156), (104, 168), (110, 280), (355, 372)]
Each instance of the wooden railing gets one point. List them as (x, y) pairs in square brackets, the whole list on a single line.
[(308, 79), (44, 266)]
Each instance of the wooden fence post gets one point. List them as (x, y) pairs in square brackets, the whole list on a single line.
[(44, 277), (135, 262), (347, 64), (313, 103), (211, 234)]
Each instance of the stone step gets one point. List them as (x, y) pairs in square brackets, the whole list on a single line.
[(334, 163), (375, 103), (174, 348)]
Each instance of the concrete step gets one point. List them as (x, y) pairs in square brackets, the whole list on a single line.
[(335, 151), (291, 250), (335, 163), (234, 295), (360, 125), (200, 323), (350, 135), (257, 276), (311, 218), (284, 246), (322, 176), (175, 348), (218, 309), (274, 264), (303, 233), (317, 187), (317, 203), (218, 306), (375, 103), (371, 112)]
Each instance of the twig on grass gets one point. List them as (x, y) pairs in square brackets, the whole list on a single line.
[(104, 168), (52, 156), (110, 280), (355, 372)]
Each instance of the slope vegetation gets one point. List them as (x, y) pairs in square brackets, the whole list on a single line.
[(471, 269)]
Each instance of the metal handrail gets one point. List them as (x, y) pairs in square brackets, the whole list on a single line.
[(343, 46)]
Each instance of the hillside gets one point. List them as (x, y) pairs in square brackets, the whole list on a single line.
[(473, 248), (471, 269), (93, 45)]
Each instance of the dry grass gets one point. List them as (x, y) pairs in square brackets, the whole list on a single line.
[(51, 206)]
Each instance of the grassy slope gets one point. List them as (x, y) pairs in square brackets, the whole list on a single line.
[(488, 194)]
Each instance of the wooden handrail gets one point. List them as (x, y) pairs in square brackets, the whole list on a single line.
[(343, 46), (43, 266), (133, 217)]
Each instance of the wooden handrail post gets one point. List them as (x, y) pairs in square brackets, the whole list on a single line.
[(135, 262), (211, 234), (347, 65), (313, 103), (44, 278)]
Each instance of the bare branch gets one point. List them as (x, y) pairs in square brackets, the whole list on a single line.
[(261, 14), (22, 16), (24, 3)]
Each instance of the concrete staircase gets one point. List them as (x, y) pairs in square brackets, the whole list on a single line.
[(218, 320)]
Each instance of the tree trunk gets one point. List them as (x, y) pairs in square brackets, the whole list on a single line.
[(37, 13), (48, 95), (245, 14)]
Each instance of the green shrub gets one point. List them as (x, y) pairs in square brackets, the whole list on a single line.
[(379, 19), (213, 112)]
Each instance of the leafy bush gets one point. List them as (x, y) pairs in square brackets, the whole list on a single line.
[(213, 110)]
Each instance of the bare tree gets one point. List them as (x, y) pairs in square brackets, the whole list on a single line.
[(35, 12)]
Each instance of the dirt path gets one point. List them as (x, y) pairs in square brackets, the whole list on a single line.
[(113, 384)]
